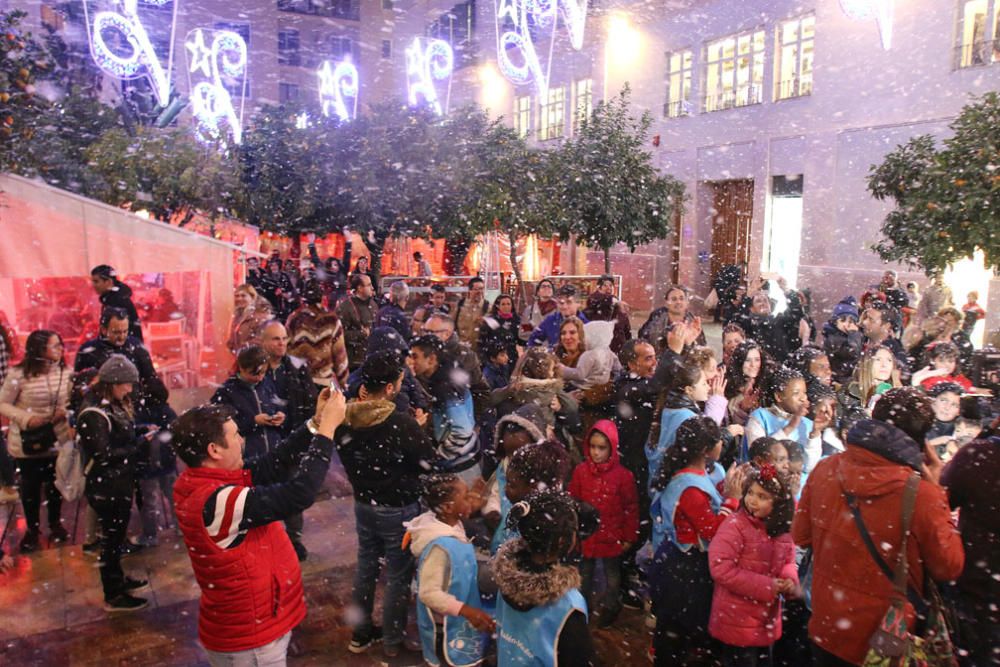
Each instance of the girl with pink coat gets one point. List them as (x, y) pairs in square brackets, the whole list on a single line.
[(752, 560)]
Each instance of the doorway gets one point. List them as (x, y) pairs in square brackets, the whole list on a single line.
[(732, 217)]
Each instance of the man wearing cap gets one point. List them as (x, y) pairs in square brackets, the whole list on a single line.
[(547, 333), (115, 294), (842, 340)]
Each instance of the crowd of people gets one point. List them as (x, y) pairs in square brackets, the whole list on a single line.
[(533, 470)]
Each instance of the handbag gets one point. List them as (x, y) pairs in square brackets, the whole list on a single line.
[(893, 644), (41, 439)]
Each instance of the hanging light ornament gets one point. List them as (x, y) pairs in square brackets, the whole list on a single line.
[(865, 10)]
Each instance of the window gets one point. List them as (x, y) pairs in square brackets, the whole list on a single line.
[(552, 109), (583, 102), (387, 48), (287, 92), (457, 27), (973, 46), (678, 84), (338, 46), (288, 47), (794, 52), (522, 115), (734, 71), (387, 5), (341, 9)]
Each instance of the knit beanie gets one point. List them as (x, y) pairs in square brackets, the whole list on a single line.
[(848, 307), (118, 370)]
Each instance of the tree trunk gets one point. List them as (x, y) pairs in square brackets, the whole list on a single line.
[(455, 252), (607, 261), (522, 299)]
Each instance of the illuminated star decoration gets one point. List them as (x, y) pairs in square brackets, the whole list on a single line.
[(337, 85), (864, 10), (141, 59), (424, 66), (225, 60), (517, 54)]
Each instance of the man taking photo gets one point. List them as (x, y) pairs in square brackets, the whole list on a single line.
[(228, 511)]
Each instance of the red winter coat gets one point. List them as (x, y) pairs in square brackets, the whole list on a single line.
[(847, 584), (251, 594), (745, 561), (610, 488)]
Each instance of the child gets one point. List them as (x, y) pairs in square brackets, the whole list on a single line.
[(796, 467), (523, 427), (752, 560), (786, 415), (541, 615), (772, 451), (947, 401), (449, 614), (968, 425), (823, 407), (496, 370), (686, 510), (605, 484), (943, 367)]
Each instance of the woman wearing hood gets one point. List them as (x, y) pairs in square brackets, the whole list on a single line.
[(598, 364), (601, 306), (865, 486), (605, 484)]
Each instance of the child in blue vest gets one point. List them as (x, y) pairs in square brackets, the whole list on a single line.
[(541, 615), (454, 629), (785, 415), (687, 509)]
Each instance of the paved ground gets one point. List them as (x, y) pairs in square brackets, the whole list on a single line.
[(51, 604)]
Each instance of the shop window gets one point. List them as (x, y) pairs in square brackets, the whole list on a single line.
[(794, 52)]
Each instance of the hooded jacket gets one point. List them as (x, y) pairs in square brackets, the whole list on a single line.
[(847, 583), (745, 561), (843, 350), (384, 452), (598, 363), (601, 306), (435, 571), (248, 401), (610, 488)]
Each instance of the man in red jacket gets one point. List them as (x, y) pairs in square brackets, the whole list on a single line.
[(229, 512), (850, 593)]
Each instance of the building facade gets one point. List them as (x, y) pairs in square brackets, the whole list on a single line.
[(770, 111)]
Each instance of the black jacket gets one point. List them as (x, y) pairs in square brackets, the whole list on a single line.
[(295, 390), (248, 401), (384, 453), (635, 408), (120, 296), (391, 315), (843, 351), (110, 448)]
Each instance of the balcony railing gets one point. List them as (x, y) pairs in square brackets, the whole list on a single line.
[(677, 109), (737, 97), (349, 11), (794, 87), (976, 53)]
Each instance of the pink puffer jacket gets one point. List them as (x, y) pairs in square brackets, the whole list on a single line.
[(745, 561)]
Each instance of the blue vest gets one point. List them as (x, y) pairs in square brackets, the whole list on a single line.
[(463, 644), (772, 423), (664, 505), (502, 533), (531, 638), (670, 420)]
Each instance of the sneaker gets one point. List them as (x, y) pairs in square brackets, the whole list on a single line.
[(300, 551), (631, 599), (362, 641), (8, 494), (29, 542), (125, 602), (135, 585), (58, 535)]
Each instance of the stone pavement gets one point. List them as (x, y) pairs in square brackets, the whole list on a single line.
[(51, 605)]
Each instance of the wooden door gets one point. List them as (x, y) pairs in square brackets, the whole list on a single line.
[(733, 216)]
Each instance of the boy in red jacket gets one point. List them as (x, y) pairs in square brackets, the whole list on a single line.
[(609, 487)]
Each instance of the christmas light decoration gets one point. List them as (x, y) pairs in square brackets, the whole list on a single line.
[(426, 64), (338, 89), (222, 61), (864, 10), (517, 54), (134, 56)]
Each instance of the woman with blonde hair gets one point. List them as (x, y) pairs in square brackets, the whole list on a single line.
[(251, 313), (877, 373)]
